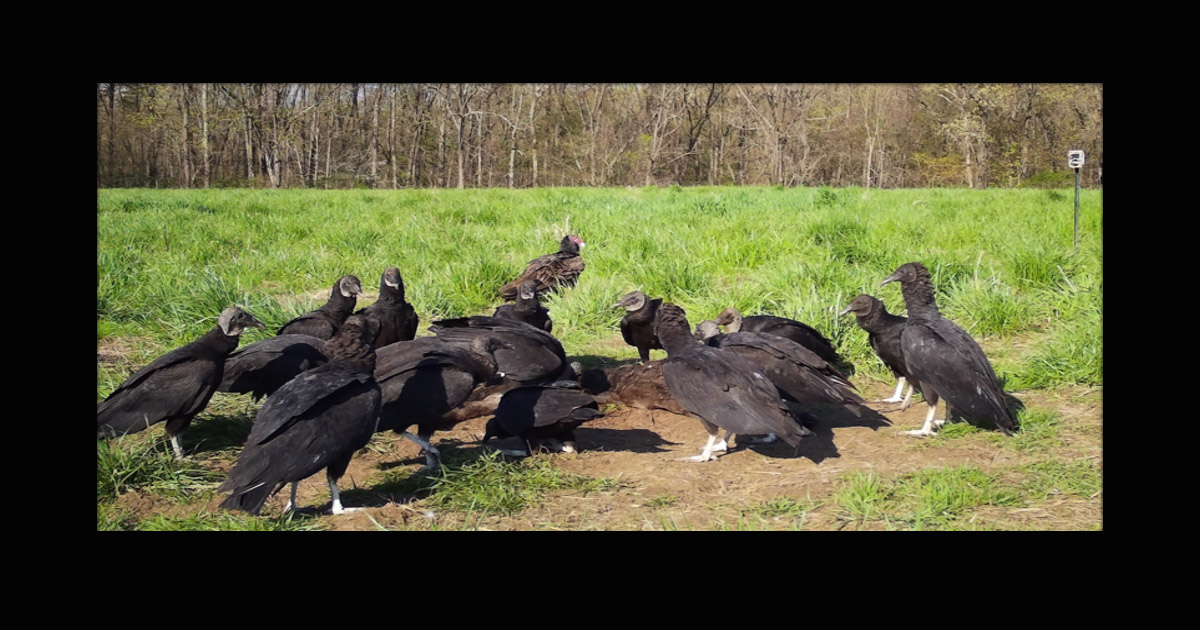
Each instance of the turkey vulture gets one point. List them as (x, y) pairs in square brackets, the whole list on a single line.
[(561, 268)]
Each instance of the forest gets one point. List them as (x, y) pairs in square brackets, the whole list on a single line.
[(489, 135)]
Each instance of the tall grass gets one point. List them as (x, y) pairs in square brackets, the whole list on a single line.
[(168, 261)]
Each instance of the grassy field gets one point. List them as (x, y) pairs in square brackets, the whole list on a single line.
[(1002, 262)]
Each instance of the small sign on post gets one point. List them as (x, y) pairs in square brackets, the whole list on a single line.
[(1075, 161)]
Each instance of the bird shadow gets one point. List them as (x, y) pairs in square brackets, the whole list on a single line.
[(837, 417), (817, 447), (217, 432), (1015, 410), (631, 440)]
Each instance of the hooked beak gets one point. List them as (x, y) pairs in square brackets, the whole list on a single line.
[(846, 311), (892, 278)]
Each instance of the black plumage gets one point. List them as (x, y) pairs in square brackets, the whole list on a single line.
[(799, 332), (396, 318), (798, 373), (423, 380), (945, 360), (527, 308), (719, 387), (532, 356), (325, 321), (637, 326), (541, 412), (264, 366), (883, 331), (176, 386), (562, 268), (316, 421)]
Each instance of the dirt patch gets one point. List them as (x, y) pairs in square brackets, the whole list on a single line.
[(640, 448)]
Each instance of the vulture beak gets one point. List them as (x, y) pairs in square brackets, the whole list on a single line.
[(848, 308), (892, 278)]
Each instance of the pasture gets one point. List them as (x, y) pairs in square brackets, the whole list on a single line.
[(1002, 262)]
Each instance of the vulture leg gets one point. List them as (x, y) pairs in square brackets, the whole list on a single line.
[(899, 389), (706, 455), (907, 399), (432, 456), (927, 428), (337, 497), (292, 501), (176, 446)]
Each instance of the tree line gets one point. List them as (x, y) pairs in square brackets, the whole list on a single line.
[(457, 135)]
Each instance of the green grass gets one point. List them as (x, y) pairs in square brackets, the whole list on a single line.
[(142, 462), (1002, 259), (934, 498), (492, 485), (227, 521), (1077, 478)]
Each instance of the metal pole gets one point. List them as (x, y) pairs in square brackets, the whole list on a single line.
[(1076, 210)]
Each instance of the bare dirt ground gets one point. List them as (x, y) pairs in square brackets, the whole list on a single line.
[(641, 448)]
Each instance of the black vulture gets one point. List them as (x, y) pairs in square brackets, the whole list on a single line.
[(719, 387), (883, 331), (176, 386), (799, 374), (527, 309), (325, 321), (264, 366), (396, 318), (637, 326), (561, 268), (944, 360), (539, 412), (532, 356), (318, 420), (423, 380), (632, 385), (799, 332)]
